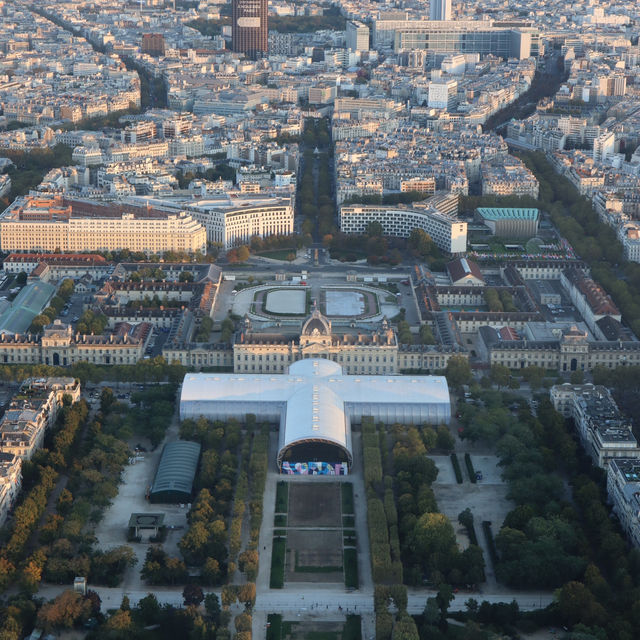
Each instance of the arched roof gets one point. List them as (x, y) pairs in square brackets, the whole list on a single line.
[(316, 323), (176, 470), (315, 412), (315, 401)]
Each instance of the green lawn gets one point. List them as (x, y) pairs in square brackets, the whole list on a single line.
[(274, 628), (280, 521), (277, 254), (351, 569), (348, 521), (347, 498), (277, 563), (279, 630), (282, 497)]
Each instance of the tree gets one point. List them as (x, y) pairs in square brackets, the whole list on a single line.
[(212, 607), (533, 375), (500, 375), (444, 598), (405, 628), (107, 399), (243, 253), (374, 229), (243, 622), (119, 625), (577, 604), (21, 279), (66, 289), (422, 244), (426, 335), (211, 573), (64, 612), (433, 535), (185, 276), (247, 592), (445, 440), (458, 371), (192, 594), (577, 377), (228, 595), (149, 609)]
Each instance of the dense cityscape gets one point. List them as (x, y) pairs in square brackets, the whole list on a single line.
[(319, 320)]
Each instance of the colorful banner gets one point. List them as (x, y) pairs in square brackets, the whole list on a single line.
[(315, 468)]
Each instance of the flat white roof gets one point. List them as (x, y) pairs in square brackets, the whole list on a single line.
[(315, 399)]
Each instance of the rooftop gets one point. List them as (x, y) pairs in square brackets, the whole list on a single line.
[(508, 213), (27, 305)]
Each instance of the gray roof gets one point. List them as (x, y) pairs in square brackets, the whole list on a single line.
[(31, 301), (177, 468)]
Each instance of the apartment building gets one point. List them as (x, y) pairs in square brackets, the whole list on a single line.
[(10, 482), (508, 179), (604, 432), (61, 265), (60, 346), (623, 489), (53, 225), (629, 236), (23, 428), (448, 232), (232, 222)]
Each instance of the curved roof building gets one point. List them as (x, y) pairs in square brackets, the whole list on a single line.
[(176, 471), (315, 402)]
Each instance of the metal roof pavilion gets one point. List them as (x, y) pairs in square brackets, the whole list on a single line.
[(508, 213), (315, 401)]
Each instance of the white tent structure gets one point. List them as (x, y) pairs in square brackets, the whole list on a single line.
[(315, 401)]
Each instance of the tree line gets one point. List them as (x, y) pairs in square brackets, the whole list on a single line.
[(560, 533), (594, 241)]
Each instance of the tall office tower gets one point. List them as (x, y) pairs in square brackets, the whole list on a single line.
[(440, 10), (357, 36), (249, 29)]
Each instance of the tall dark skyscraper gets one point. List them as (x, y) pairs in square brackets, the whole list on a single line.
[(249, 29)]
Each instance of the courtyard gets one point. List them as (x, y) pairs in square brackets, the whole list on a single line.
[(285, 301)]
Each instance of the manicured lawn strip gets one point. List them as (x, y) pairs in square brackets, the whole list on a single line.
[(282, 497), (456, 468), (280, 521), (488, 534), (277, 254), (347, 498), (348, 521), (349, 536), (352, 628), (277, 563), (470, 469), (274, 626), (351, 569)]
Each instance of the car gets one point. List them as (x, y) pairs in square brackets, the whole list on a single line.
[(76, 318)]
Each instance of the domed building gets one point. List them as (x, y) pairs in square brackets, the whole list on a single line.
[(357, 349)]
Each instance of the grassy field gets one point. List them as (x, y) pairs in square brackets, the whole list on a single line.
[(348, 521), (351, 569), (277, 563), (277, 254), (279, 629), (347, 498), (282, 497)]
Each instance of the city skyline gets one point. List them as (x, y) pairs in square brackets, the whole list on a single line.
[(319, 319)]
